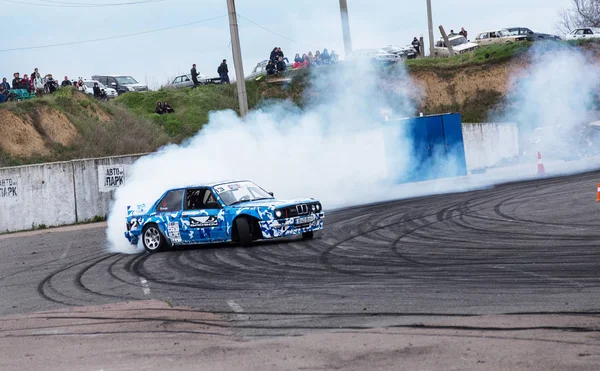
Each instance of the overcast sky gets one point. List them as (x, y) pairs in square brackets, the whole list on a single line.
[(156, 57)]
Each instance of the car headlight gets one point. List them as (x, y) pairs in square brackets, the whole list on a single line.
[(130, 88), (314, 208), (318, 207), (278, 213)]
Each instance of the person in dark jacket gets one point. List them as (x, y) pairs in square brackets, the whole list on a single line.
[(223, 72), (417, 45), (97, 91), (159, 108), (16, 83), (463, 32), (66, 82), (273, 56), (26, 83), (271, 68), (325, 58), (279, 54), (167, 108), (281, 66), (5, 84), (194, 74)]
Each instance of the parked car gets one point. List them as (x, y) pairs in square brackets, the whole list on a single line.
[(121, 83), (406, 52), (185, 81), (501, 36), (459, 43), (238, 211), (584, 33), (373, 55), (261, 69), (530, 35), (89, 88)]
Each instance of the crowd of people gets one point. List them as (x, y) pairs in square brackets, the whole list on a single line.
[(278, 62), (34, 85)]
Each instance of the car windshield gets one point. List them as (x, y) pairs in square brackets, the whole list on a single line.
[(458, 41), (233, 193), (125, 80), (503, 33)]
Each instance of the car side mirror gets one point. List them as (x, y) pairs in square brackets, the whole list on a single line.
[(271, 193)]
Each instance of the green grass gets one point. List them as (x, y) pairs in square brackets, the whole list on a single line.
[(489, 54)]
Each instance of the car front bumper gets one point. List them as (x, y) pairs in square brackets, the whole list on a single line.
[(292, 226)]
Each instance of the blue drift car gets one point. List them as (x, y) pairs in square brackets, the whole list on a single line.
[(237, 211)]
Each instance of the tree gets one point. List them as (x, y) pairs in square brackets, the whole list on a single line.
[(584, 13)]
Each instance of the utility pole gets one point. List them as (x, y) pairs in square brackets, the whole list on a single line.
[(346, 27), (430, 25), (237, 58)]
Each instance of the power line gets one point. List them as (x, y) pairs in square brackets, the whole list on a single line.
[(271, 31), (64, 4), (111, 37)]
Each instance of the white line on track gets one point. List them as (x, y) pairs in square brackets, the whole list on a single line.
[(237, 309), (145, 287)]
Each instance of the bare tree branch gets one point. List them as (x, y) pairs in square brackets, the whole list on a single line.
[(584, 13)]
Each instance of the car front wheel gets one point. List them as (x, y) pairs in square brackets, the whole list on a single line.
[(152, 239), (244, 232)]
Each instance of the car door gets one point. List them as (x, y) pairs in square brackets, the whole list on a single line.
[(202, 220), (169, 210)]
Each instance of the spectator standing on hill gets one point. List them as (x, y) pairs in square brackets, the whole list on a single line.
[(97, 91), (159, 108), (451, 33), (270, 68), (297, 58), (416, 44), (318, 60), (16, 83), (280, 54), (38, 84), (223, 72), (273, 55), (194, 74), (167, 108), (66, 82), (5, 84), (51, 84), (25, 83), (463, 32)]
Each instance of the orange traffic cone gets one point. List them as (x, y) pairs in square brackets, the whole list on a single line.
[(541, 170), (598, 197)]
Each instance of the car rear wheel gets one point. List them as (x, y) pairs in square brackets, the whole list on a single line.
[(243, 230), (152, 239), (308, 235)]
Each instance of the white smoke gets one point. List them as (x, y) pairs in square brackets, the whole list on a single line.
[(334, 150), (553, 101)]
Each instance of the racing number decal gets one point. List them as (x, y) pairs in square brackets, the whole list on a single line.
[(134, 223)]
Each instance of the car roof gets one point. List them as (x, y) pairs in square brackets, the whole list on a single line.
[(115, 75), (209, 184)]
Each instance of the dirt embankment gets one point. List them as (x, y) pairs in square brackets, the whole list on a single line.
[(474, 90), (34, 134)]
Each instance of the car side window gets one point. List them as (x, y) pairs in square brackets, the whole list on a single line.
[(185, 78), (201, 199), (177, 80), (111, 80), (588, 32), (171, 202)]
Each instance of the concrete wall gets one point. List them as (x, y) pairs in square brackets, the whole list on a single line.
[(59, 193), (487, 144), (95, 182), (36, 194)]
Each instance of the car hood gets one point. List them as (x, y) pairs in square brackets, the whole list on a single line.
[(468, 45), (273, 203)]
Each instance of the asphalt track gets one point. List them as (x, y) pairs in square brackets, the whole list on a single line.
[(526, 248)]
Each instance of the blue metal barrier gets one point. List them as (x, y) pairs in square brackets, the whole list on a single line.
[(436, 146)]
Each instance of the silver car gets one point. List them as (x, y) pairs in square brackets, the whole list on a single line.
[(185, 81)]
